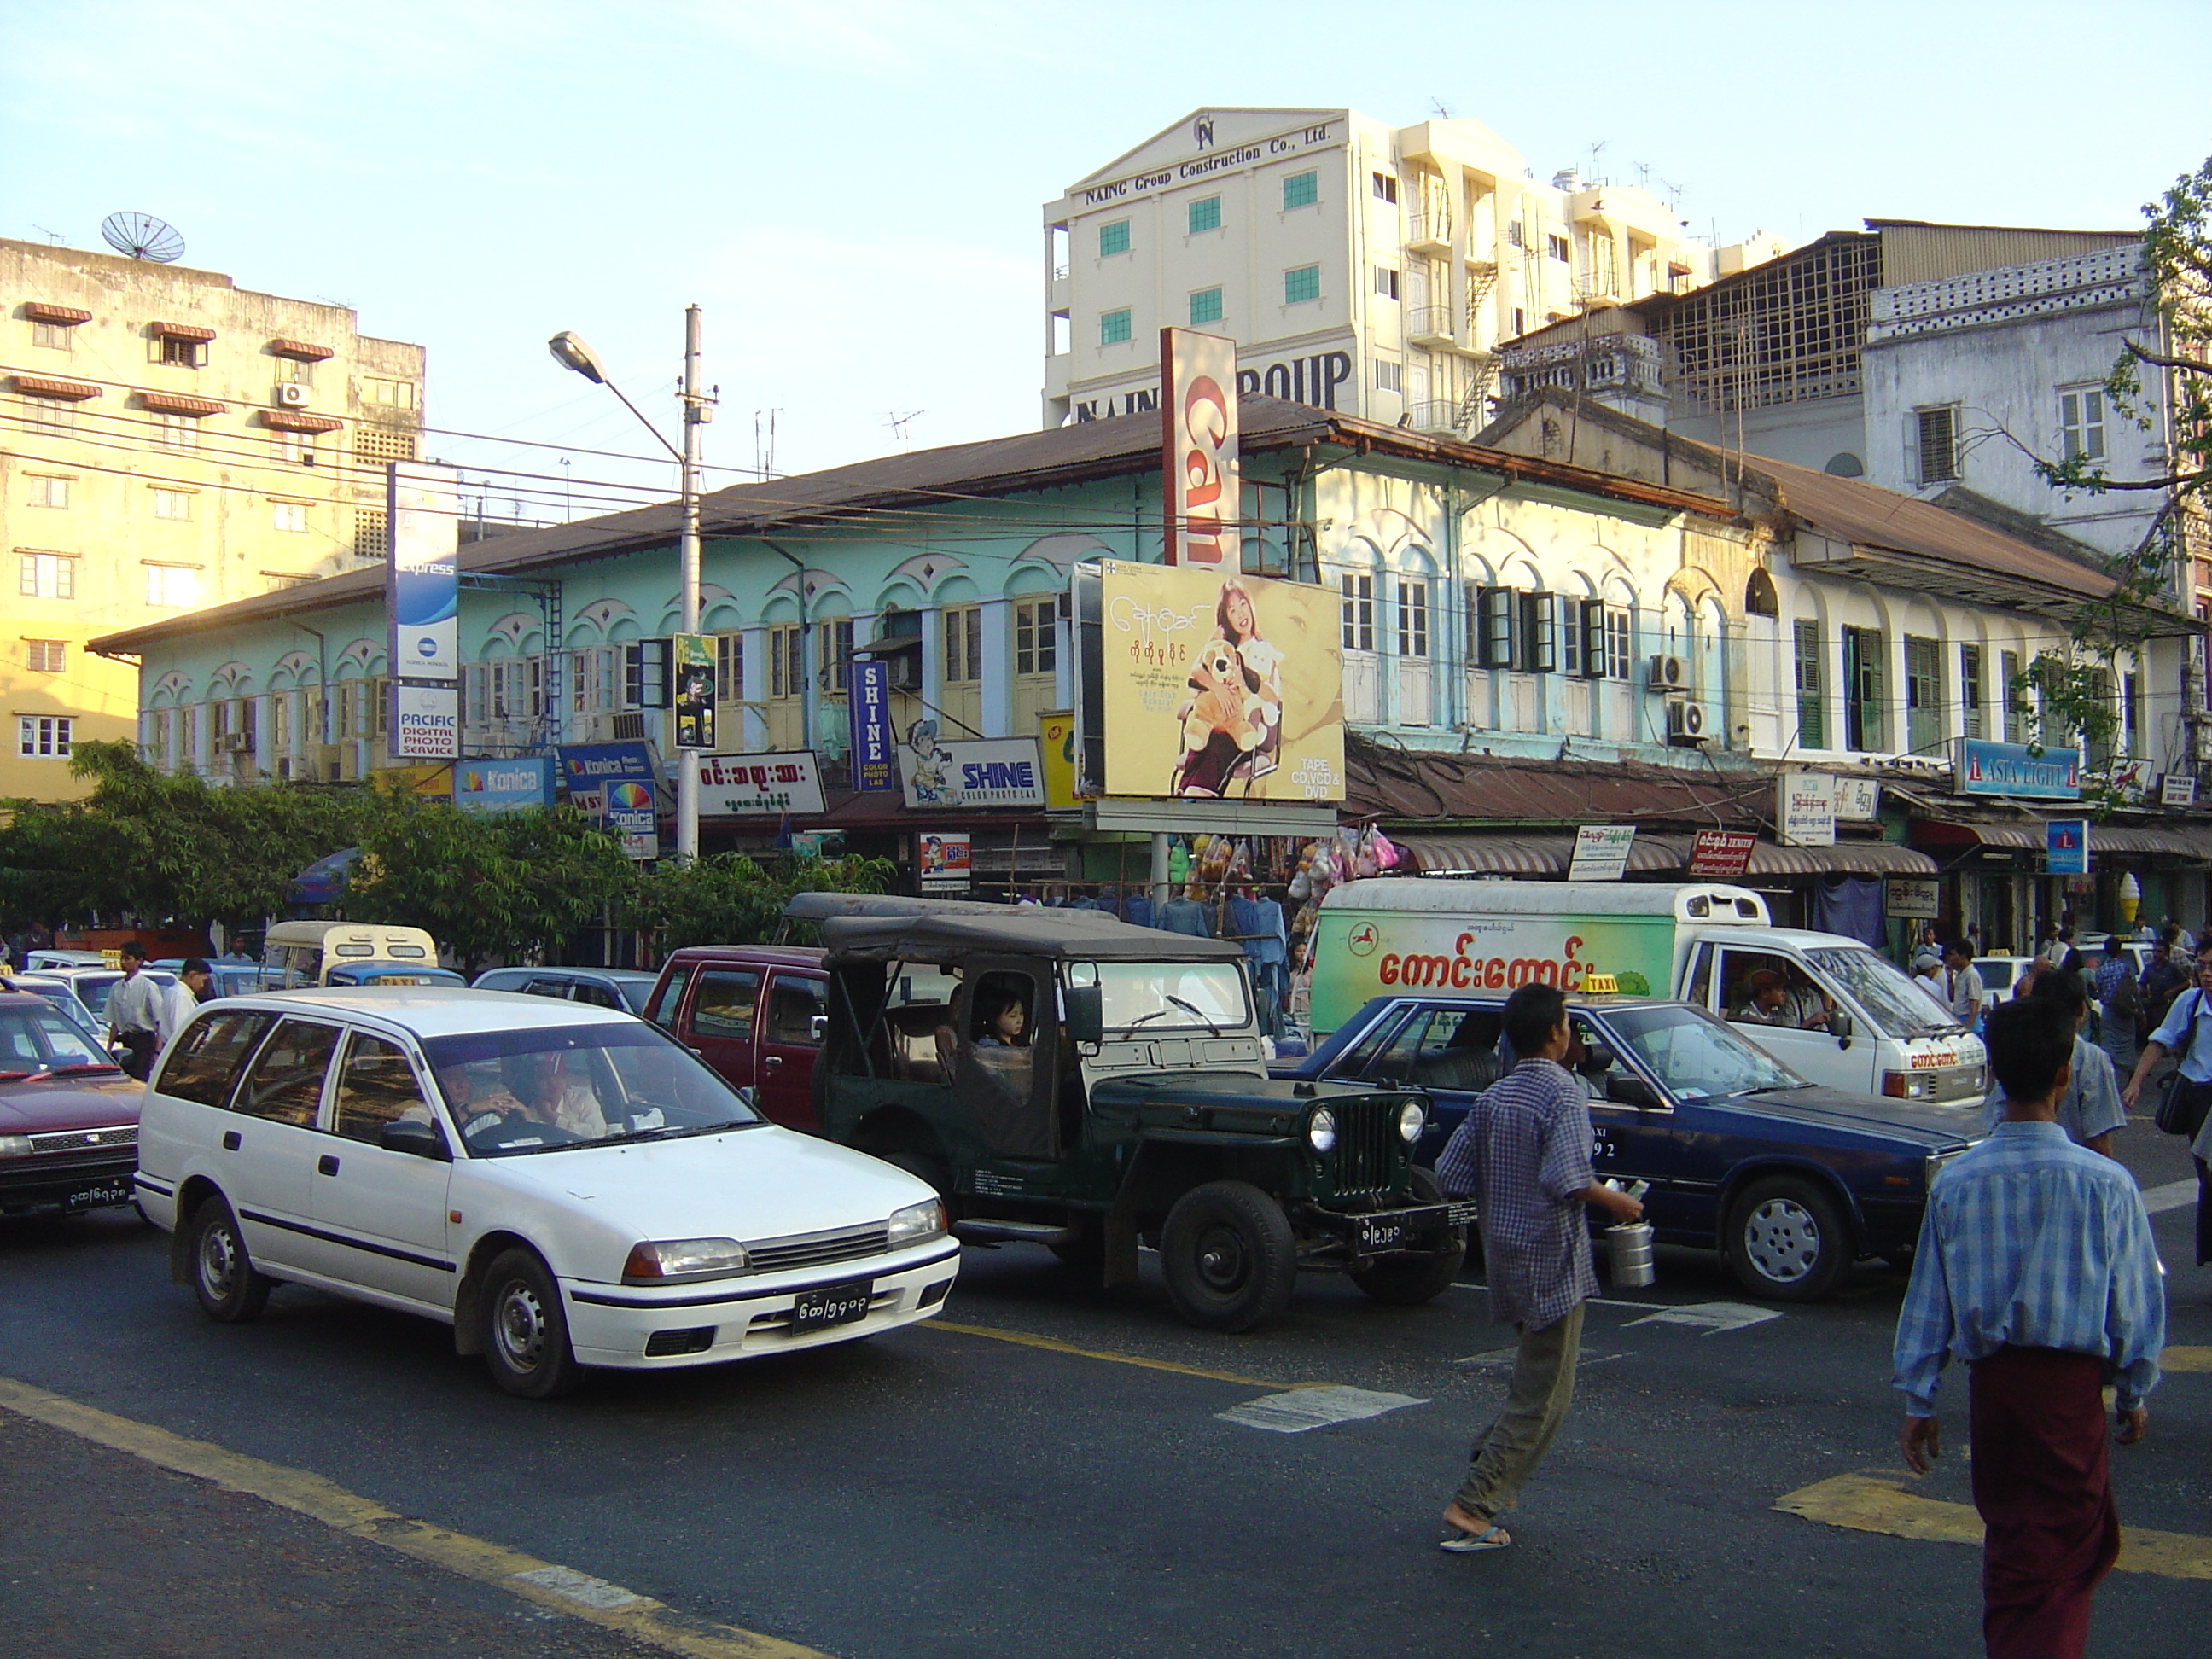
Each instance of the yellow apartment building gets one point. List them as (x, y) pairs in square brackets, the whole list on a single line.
[(168, 441)]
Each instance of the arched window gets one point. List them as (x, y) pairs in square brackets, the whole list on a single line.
[(1760, 598)]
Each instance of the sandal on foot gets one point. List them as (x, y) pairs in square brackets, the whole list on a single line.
[(1493, 1537)]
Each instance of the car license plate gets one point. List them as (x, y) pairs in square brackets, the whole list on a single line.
[(833, 1305), (1397, 1229), (99, 1197)]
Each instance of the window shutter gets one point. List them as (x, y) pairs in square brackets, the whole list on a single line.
[(1494, 624), (1593, 627), (1540, 639), (473, 710)]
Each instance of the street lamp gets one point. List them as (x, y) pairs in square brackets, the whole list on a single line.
[(569, 351)]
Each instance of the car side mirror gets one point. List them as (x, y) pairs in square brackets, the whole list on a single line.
[(1840, 1027), (1626, 1089), (1083, 1013), (407, 1134), (818, 1027)]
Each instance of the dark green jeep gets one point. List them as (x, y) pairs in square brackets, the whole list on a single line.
[(1066, 1079)]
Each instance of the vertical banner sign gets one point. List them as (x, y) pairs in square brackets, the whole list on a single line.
[(869, 702), (1199, 494), (423, 722), (691, 660), (2066, 847), (421, 578)]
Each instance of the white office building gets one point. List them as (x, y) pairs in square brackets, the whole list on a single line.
[(1359, 266)]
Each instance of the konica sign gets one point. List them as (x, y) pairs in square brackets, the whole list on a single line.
[(503, 785)]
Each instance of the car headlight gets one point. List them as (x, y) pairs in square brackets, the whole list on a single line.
[(1320, 1130), (15, 1145), (917, 1221), (670, 1261), (1411, 1118)]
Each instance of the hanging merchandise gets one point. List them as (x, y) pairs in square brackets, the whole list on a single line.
[(1387, 856), (1178, 862), (1364, 862)]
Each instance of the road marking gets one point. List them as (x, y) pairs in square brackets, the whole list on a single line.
[(564, 1589), (1505, 1358), (2185, 1359), (1052, 1345), (1594, 1301), (1713, 1317), (2172, 1196), (1883, 1502), (1315, 1408)]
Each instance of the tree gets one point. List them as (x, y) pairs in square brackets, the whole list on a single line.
[(2074, 687), (160, 848), (499, 885), (731, 899)]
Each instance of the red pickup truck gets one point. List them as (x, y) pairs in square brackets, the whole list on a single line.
[(755, 1014)]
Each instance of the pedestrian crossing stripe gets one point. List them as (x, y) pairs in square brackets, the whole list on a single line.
[(1315, 1408)]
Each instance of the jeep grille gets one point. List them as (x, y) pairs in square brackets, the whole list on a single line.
[(1367, 1144)]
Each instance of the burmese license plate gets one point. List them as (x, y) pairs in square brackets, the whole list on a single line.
[(99, 1196), (833, 1305), (1397, 1229)]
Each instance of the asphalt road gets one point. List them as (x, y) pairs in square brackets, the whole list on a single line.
[(939, 1493)]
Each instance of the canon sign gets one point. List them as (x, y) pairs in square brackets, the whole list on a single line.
[(1198, 458)]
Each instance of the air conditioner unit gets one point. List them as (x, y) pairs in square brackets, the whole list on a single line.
[(1685, 721), (1668, 674), (292, 397), (629, 728), (234, 743), (284, 767)]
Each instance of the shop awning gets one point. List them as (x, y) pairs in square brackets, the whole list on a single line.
[(1652, 855), (2030, 835)]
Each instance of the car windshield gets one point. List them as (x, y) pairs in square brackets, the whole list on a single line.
[(34, 1041), (634, 993), (1166, 995), (538, 1090), (1695, 1055), (1878, 985)]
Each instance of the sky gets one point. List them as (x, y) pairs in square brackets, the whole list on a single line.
[(852, 190)]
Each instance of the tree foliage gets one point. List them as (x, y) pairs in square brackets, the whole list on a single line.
[(486, 886), (730, 899), (2073, 688), (147, 844)]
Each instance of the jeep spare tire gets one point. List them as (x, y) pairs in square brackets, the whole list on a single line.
[(1228, 1255)]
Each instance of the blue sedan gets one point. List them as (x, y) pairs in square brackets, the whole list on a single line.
[(1789, 1181)]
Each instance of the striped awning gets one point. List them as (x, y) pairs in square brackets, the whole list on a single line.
[(1652, 854), (2031, 836)]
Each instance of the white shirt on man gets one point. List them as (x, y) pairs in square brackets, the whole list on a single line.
[(135, 1005)]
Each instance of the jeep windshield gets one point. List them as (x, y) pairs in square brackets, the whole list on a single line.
[(1695, 1055), (540, 1089), (1878, 985), (1164, 996)]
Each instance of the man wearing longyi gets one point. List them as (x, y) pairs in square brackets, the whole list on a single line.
[(2035, 1269)]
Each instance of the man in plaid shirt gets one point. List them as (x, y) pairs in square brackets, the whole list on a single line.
[(2036, 1268), (1523, 1153)]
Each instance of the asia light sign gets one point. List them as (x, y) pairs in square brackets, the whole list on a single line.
[(1199, 697), (1198, 457), (422, 575)]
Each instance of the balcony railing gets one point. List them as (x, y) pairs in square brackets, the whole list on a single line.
[(1431, 325), (1429, 232), (1436, 415)]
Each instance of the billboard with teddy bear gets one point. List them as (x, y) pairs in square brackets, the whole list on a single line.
[(1220, 687)]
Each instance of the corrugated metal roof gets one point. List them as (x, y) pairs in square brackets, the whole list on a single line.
[(1407, 786), (919, 479), (1505, 854)]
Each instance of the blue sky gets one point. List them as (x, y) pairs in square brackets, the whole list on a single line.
[(852, 189)]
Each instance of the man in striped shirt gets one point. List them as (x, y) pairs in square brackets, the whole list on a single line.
[(2036, 1268)]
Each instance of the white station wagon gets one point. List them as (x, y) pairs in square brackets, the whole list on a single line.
[(563, 1184)]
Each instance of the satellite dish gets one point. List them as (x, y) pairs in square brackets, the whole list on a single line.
[(142, 236)]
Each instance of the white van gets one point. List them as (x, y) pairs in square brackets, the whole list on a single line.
[(300, 953), (1873, 1031)]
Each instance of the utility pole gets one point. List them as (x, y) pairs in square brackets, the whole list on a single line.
[(695, 414)]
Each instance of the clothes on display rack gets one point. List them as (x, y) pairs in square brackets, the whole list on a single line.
[(1185, 915)]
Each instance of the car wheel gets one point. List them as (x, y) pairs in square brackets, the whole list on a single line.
[(1228, 1255), (525, 1334), (1408, 1279), (1787, 1240), (230, 1288)]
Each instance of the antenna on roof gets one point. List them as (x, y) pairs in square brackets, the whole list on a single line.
[(1441, 110), (142, 236), (53, 236), (900, 424)]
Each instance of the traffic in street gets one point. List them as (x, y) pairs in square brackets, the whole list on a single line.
[(1047, 1470)]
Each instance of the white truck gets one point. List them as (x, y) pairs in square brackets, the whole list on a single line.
[(1849, 1019)]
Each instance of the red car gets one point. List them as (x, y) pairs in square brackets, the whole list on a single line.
[(755, 1014), (68, 1115)]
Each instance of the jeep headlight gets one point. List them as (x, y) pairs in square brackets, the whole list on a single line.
[(1411, 1119), (671, 1260), (916, 1223), (1320, 1130), (15, 1145)]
